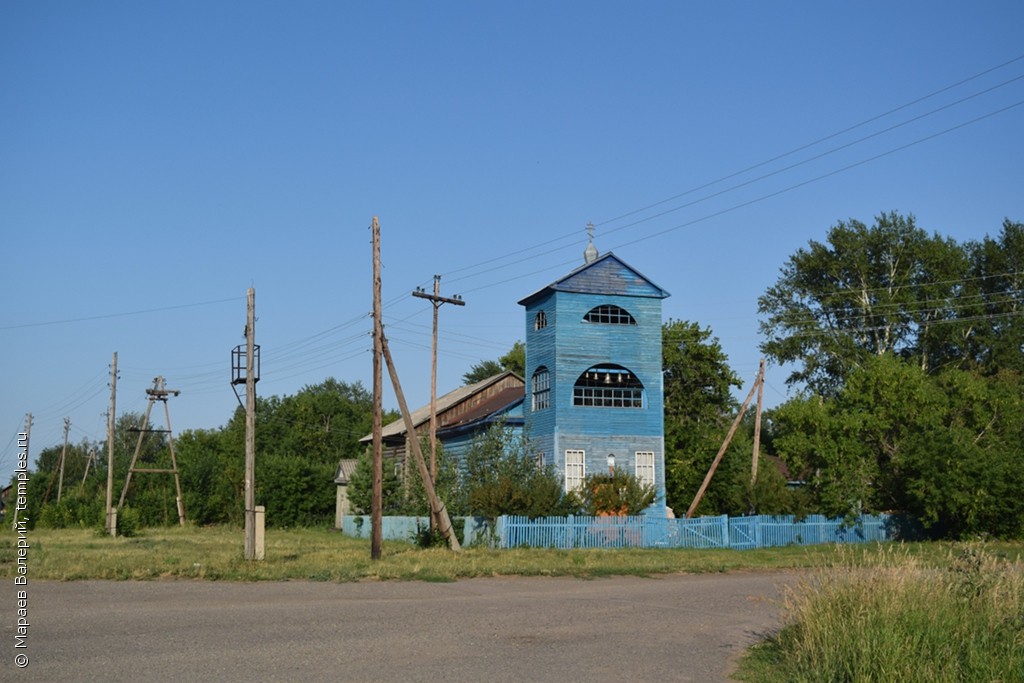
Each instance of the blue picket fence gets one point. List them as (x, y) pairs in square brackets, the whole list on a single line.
[(761, 531)]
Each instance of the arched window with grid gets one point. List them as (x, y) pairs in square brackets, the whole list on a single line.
[(609, 314), (608, 386)]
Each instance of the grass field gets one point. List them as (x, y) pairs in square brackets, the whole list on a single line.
[(872, 612), (890, 616), (216, 553)]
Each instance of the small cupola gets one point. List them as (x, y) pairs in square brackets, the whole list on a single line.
[(590, 253)]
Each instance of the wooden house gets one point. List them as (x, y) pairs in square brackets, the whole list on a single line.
[(594, 392), (462, 415)]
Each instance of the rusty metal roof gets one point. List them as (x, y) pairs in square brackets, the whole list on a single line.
[(461, 397)]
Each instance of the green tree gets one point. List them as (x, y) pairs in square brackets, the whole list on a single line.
[(514, 360), (887, 288), (502, 477), (212, 478), (993, 303), (299, 441), (699, 407), (360, 486), (942, 448), (322, 422), (964, 480), (295, 491)]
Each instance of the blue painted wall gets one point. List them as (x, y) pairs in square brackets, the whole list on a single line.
[(569, 345), (457, 443)]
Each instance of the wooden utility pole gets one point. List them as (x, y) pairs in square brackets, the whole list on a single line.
[(58, 472), (721, 451), (63, 458), (250, 425), (88, 463), (111, 524), (437, 507), (757, 424), (180, 500), (437, 300), (377, 475)]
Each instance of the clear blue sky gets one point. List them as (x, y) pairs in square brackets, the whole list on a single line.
[(159, 156)]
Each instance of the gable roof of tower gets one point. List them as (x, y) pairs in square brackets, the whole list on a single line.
[(607, 274)]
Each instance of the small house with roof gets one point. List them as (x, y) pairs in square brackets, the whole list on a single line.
[(594, 391), (462, 415)]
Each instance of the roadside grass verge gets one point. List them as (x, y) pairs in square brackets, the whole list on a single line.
[(216, 553), (896, 615)]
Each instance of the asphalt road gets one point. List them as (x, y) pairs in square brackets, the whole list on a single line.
[(670, 628)]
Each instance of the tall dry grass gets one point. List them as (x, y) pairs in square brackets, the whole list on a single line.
[(891, 616)]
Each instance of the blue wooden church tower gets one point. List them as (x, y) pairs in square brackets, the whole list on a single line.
[(594, 393)]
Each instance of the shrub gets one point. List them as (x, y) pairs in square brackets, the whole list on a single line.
[(502, 477), (615, 493)]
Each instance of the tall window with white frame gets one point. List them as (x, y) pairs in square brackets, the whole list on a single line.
[(575, 469), (541, 389), (645, 467)]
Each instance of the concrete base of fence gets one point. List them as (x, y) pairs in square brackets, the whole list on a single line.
[(476, 531), (761, 531)]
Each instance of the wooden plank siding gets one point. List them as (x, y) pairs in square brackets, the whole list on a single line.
[(568, 345)]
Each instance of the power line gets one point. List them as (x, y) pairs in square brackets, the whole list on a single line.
[(808, 145), (118, 315), (534, 248), (816, 157), (823, 176), (845, 331)]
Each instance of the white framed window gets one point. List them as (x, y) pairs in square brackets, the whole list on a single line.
[(575, 469), (645, 467), (609, 315), (608, 386), (541, 389), (540, 321)]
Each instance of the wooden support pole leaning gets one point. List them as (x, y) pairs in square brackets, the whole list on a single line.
[(59, 470), (721, 451), (437, 507), (143, 427), (88, 464), (757, 424), (174, 467)]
